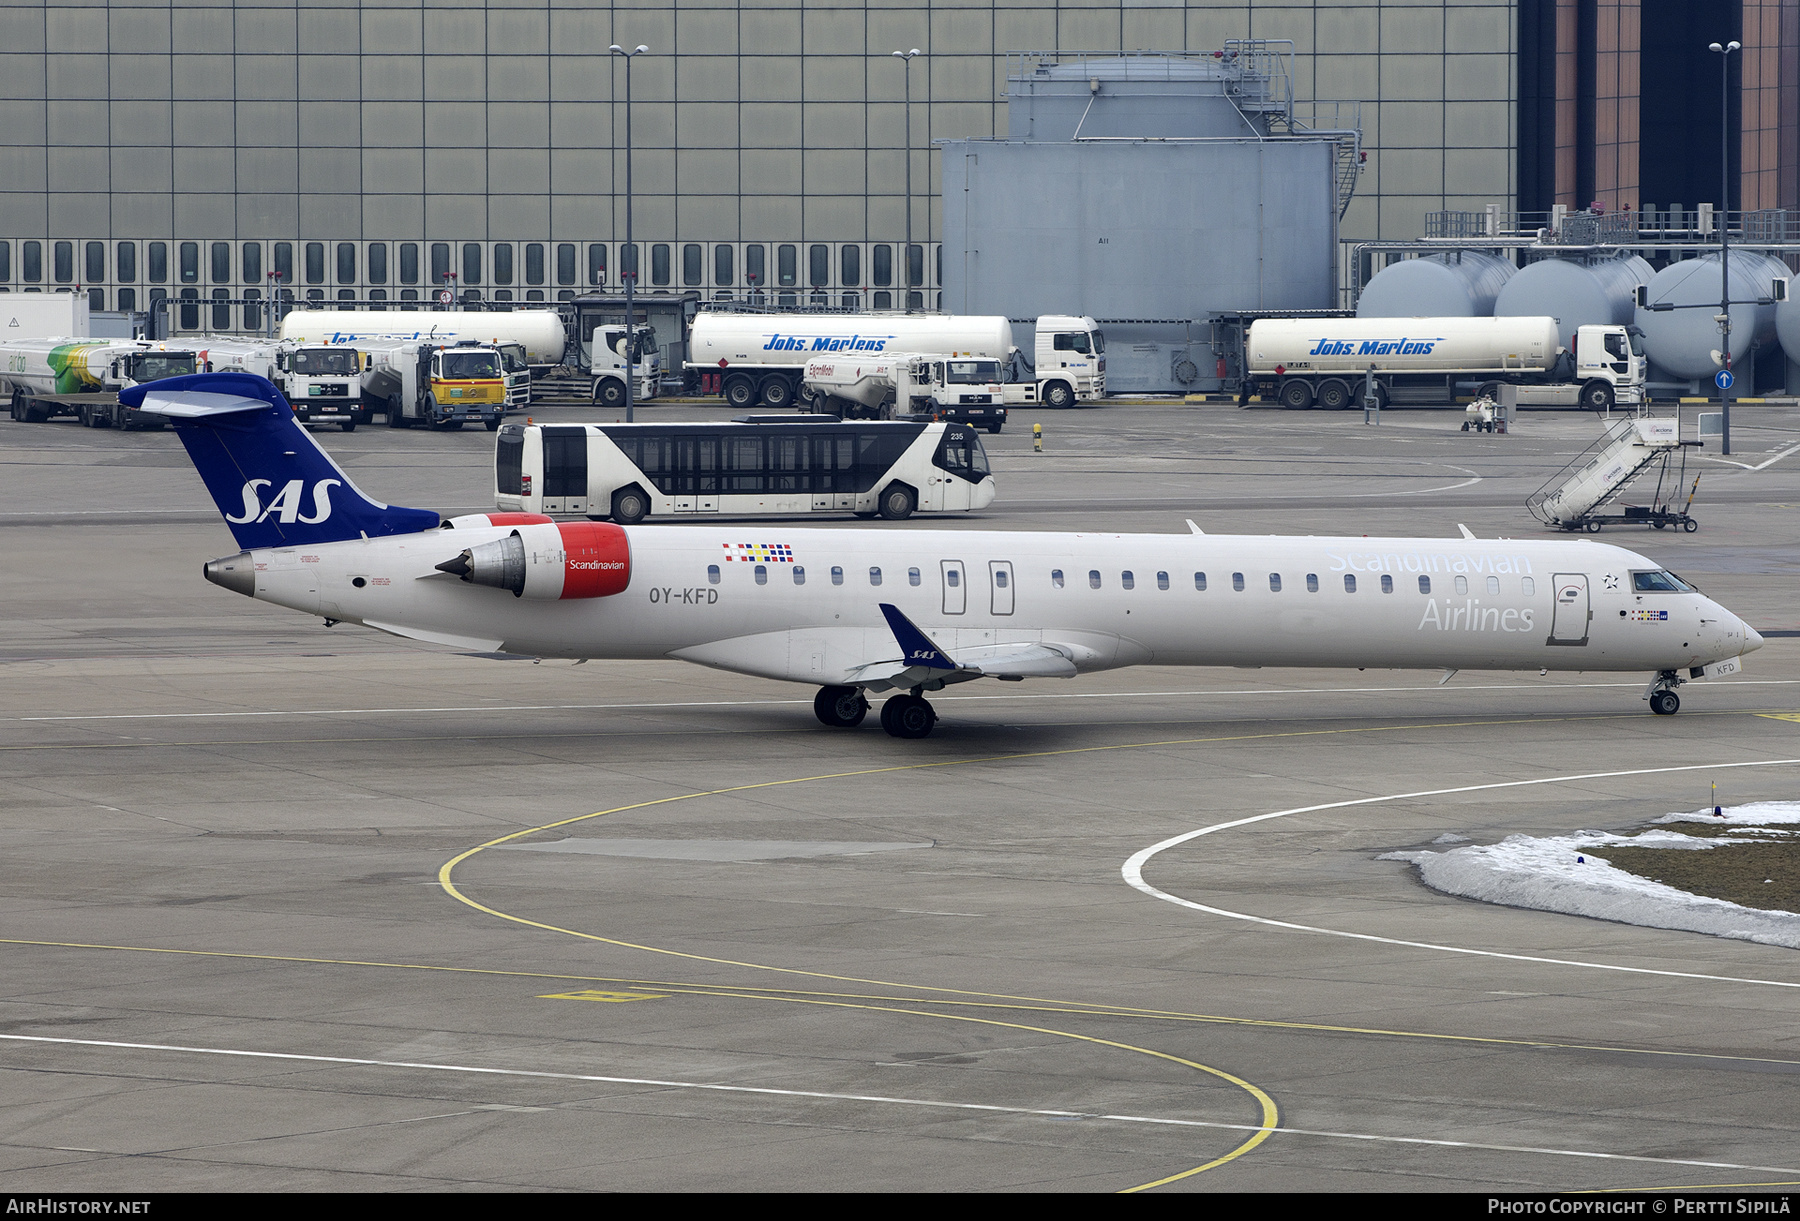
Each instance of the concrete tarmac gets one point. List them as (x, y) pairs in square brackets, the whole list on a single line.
[(297, 908)]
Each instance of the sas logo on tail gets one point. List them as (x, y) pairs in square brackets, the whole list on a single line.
[(286, 505)]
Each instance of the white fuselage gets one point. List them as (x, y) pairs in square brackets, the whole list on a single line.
[(1523, 604)]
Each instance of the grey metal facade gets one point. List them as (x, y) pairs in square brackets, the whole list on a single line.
[(473, 126)]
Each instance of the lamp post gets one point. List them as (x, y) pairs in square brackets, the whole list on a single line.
[(906, 58), (1724, 54), (629, 274)]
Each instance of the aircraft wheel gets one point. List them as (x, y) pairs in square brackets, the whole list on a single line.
[(840, 707), (1665, 703), (908, 716)]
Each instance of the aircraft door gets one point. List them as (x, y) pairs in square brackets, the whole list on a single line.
[(1570, 622), (956, 587), (1000, 581)]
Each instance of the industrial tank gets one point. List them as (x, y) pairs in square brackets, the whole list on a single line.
[(1787, 327), (1457, 284), (1680, 340), (1575, 293)]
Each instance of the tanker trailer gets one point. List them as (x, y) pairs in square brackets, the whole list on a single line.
[(1325, 361), (540, 331)]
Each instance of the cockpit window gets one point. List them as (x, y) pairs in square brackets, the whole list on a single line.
[(1659, 583)]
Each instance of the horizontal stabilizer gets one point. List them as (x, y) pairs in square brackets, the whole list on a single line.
[(196, 404)]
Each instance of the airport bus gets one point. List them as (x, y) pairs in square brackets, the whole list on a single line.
[(686, 471)]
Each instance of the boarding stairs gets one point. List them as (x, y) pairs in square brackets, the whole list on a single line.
[(1575, 496)]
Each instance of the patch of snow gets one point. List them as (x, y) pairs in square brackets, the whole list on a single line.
[(1451, 837), (1563, 874)]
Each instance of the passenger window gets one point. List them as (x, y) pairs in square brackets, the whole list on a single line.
[(712, 574), (1126, 579), (953, 577), (1093, 578), (1349, 583), (1200, 581), (837, 575), (799, 575), (1528, 587), (1162, 580), (1237, 581), (1274, 582), (1462, 585), (1424, 585), (1312, 582), (874, 576), (912, 576), (1056, 578), (1387, 584), (1493, 585), (762, 574)]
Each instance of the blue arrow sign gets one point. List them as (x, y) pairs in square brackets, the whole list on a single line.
[(1723, 379)]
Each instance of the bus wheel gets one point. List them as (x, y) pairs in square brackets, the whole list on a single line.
[(630, 506), (840, 707), (898, 502), (1334, 395), (777, 392), (740, 391), (1058, 394), (610, 392)]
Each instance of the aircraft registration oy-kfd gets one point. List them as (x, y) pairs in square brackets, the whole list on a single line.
[(858, 611)]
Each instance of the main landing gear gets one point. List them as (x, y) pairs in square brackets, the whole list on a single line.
[(903, 716), (1661, 693)]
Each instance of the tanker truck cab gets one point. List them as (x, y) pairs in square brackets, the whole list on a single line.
[(515, 364), (611, 365), (324, 384), (1071, 363), (1614, 355), (427, 383)]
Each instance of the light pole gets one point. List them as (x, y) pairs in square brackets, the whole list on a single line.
[(1724, 54), (629, 274), (906, 58)]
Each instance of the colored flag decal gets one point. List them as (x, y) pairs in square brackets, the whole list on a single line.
[(759, 553)]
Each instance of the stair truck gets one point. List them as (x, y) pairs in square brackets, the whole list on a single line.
[(1575, 495), (1306, 362), (756, 359), (440, 386), (608, 362), (322, 382), (962, 389), (83, 377)]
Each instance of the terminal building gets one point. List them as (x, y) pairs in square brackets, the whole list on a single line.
[(386, 151)]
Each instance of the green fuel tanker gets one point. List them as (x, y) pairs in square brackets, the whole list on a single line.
[(83, 377)]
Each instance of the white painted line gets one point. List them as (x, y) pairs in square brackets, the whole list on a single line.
[(1760, 465), (1021, 695), (885, 1099), (1133, 871)]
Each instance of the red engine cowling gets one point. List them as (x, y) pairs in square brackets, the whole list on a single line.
[(480, 521), (550, 561)]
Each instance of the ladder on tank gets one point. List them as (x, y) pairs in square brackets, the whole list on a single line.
[(1575, 495)]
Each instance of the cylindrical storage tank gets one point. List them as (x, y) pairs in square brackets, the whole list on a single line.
[(1682, 339), (1576, 294), (1456, 284), (1787, 326)]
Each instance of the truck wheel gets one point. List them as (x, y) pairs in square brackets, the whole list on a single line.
[(740, 391), (777, 392), (994, 428), (630, 506), (1296, 395), (493, 425), (35, 414), (349, 425), (1334, 395), (1596, 396), (396, 415), (897, 502), (609, 392), (1059, 394)]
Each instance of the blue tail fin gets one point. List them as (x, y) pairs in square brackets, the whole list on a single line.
[(270, 479)]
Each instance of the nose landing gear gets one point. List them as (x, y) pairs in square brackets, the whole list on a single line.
[(1661, 693)]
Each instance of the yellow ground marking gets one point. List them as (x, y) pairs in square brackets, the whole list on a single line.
[(615, 997), (1780, 716)]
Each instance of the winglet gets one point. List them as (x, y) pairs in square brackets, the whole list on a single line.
[(915, 644), (1467, 533), (1193, 527)]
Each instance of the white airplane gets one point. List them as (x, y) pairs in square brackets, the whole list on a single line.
[(857, 611)]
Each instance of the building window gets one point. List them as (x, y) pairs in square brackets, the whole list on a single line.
[(597, 263), (346, 262), (884, 300), (440, 262), (818, 258), (190, 313), (252, 262), (693, 263), (628, 261), (96, 298), (884, 264), (722, 264), (788, 264), (471, 263), (409, 263), (754, 271), (125, 256), (96, 262), (915, 264), (534, 262), (659, 263), (190, 262), (377, 263), (565, 262), (503, 263), (159, 262), (221, 310), (127, 297), (850, 266), (5, 262)]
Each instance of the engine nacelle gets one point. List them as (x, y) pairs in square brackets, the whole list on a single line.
[(480, 521), (550, 561)]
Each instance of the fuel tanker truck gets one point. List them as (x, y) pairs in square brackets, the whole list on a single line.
[(960, 389), (1325, 362), (83, 377), (539, 331), (762, 358)]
